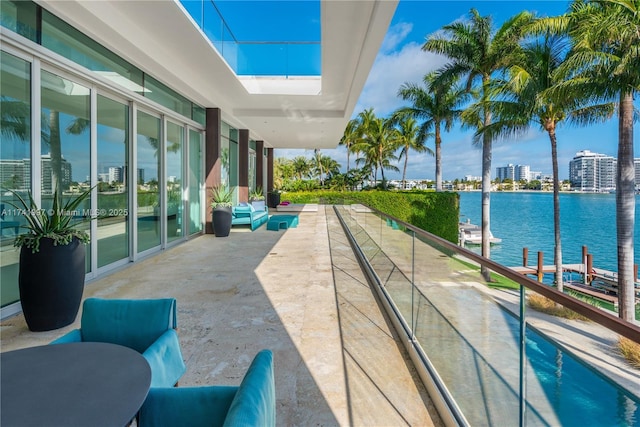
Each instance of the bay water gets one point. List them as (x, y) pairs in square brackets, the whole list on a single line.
[(525, 219)]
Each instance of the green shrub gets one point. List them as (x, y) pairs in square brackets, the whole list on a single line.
[(436, 213)]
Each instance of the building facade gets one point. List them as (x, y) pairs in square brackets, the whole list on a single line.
[(514, 172), (139, 94), (589, 171)]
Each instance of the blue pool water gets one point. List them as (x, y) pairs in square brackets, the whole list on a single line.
[(579, 395)]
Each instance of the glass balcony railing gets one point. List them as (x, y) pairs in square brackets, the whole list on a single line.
[(489, 361), (248, 58)]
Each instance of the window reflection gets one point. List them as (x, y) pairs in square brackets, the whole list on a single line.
[(148, 191), (113, 169), (65, 147), (15, 164), (175, 142)]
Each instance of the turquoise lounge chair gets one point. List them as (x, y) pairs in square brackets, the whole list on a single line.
[(146, 325)]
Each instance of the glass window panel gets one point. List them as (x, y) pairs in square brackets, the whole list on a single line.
[(252, 170), (147, 149), (20, 17), (199, 114), (15, 163), (113, 195), (66, 142), (65, 40), (224, 161), (174, 147), (233, 169), (195, 178), (161, 94)]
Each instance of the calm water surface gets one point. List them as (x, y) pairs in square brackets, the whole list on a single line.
[(525, 219)]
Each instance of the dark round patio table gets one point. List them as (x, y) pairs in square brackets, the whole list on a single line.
[(75, 384)]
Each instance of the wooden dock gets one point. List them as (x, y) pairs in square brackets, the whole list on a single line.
[(602, 284)]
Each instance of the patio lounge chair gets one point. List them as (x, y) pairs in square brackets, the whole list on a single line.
[(250, 404), (146, 325)]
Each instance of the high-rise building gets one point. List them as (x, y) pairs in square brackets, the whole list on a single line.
[(589, 171), (514, 172)]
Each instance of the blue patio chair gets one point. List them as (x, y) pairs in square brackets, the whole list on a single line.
[(146, 325), (250, 404)]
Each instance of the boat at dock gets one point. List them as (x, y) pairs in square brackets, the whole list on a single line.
[(471, 234)]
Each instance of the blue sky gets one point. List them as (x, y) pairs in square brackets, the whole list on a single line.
[(401, 60)]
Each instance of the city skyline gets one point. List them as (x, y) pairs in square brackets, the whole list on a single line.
[(401, 60)]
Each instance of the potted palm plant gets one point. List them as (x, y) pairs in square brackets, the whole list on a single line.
[(52, 260), (221, 203)]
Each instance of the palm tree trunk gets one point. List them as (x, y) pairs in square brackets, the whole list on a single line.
[(625, 207), (438, 158), (404, 170), (486, 182), (55, 152), (557, 255)]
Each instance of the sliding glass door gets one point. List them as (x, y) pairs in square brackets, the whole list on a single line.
[(147, 173), (113, 180)]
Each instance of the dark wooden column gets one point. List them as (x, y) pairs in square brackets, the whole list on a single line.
[(212, 159), (269, 169), (259, 164), (243, 165)]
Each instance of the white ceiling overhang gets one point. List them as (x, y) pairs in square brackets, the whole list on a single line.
[(159, 38)]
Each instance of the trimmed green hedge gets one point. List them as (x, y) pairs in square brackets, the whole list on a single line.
[(436, 213)]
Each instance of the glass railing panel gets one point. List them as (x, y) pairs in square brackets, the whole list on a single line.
[(304, 59), (262, 59), (470, 333), (247, 58), (213, 25)]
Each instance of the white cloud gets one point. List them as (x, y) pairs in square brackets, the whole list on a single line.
[(394, 67)]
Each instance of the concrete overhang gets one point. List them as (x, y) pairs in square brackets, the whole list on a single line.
[(162, 40)]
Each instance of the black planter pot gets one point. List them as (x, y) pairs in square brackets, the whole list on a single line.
[(221, 220), (273, 200), (51, 283)]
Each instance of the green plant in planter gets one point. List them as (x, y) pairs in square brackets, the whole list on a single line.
[(57, 223), (52, 261), (256, 194), (221, 197), (221, 217)]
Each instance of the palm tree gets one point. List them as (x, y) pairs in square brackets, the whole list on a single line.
[(377, 143), (350, 138), (316, 165), (477, 52), (409, 136), (436, 105), (604, 64), (526, 98), (301, 167)]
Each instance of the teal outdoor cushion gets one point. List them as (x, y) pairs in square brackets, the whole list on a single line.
[(186, 406), (250, 404), (147, 326), (255, 401)]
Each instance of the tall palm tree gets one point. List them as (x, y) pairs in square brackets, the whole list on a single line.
[(436, 103), (377, 143), (316, 165), (604, 64), (350, 138), (409, 136), (477, 52), (526, 98), (301, 167)]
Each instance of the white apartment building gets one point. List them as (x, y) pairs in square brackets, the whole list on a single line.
[(589, 171), (514, 172)]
